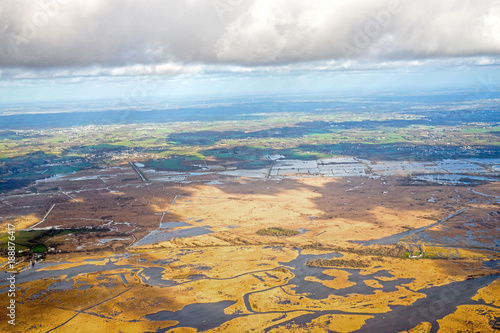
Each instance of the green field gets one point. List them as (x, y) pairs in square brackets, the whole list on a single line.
[(176, 146)]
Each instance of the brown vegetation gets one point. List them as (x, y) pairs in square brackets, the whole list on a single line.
[(338, 263), (277, 232)]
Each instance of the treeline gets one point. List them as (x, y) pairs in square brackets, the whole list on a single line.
[(54, 232), (345, 263), (277, 232), (396, 251), (39, 238)]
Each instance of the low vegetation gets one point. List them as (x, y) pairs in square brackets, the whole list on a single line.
[(394, 251), (277, 232), (338, 263)]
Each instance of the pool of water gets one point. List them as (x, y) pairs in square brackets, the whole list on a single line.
[(454, 179), (173, 225), (159, 235), (201, 316)]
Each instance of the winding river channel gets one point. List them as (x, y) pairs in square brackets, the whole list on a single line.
[(439, 301)]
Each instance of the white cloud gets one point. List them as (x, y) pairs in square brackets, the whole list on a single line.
[(126, 37), (293, 30)]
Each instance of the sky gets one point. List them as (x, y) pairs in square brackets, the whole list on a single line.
[(131, 49)]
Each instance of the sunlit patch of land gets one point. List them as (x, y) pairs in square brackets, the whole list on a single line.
[(423, 327), (255, 322), (21, 222), (471, 318), (341, 280), (373, 283), (328, 323), (489, 294)]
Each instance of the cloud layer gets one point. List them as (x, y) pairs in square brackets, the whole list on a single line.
[(130, 34)]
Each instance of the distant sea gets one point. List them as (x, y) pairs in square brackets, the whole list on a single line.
[(67, 114)]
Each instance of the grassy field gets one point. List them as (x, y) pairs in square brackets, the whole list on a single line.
[(37, 240), (24, 239), (175, 163)]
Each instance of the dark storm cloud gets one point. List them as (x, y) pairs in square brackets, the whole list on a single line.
[(120, 33)]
